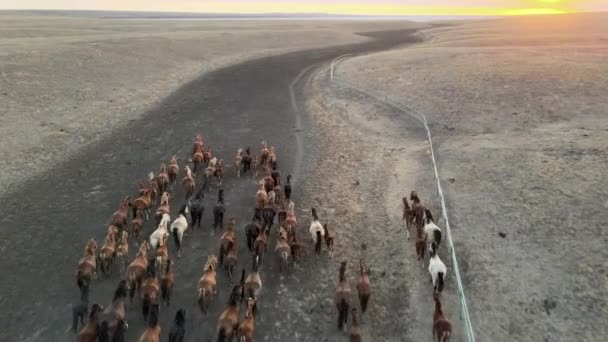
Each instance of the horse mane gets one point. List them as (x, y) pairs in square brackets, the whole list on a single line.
[(429, 216), (314, 214)]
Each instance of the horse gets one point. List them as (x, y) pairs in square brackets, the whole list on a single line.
[(179, 228), (197, 209), (107, 252), (342, 298), (209, 172), (160, 232), (80, 311), (276, 175), (252, 230), (207, 283), (329, 241), (355, 329), (261, 196), (166, 284), (122, 251), (248, 325), (420, 246), (144, 202), (238, 159), (152, 332), (188, 183), (225, 239), (150, 289), (228, 323), (119, 332), (173, 170), (152, 184), (272, 156), (437, 269), (197, 158), (162, 255), (418, 210), (432, 232), (268, 182), (231, 259), (207, 156), (246, 160), (219, 172), (163, 178), (264, 153), (282, 215), (137, 269), (255, 162), (260, 244), (291, 221), (198, 144), (253, 282), (296, 249), (136, 225), (283, 250), (316, 231), (178, 331), (268, 214), (90, 331), (87, 266), (115, 312), (287, 189), (407, 217), (364, 286), (218, 214), (119, 218), (163, 209), (442, 328)]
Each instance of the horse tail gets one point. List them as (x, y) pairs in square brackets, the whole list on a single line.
[(221, 336), (440, 281), (364, 301), (75, 318), (146, 305), (445, 337), (342, 313), (437, 236), (178, 243), (202, 293)]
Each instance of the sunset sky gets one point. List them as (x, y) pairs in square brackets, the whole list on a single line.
[(360, 7)]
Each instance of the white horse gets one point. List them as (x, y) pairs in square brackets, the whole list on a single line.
[(432, 232), (179, 227), (316, 228), (160, 232), (437, 269)]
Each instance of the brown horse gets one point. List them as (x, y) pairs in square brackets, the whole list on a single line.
[(420, 246), (207, 284), (272, 156), (115, 312), (163, 178), (268, 182), (188, 183), (198, 144), (122, 251), (228, 323), (237, 162), (107, 253), (283, 250), (342, 298), (162, 254), (164, 208), (153, 331), (329, 241), (247, 327), (137, 224), (87, 266), (260, 244), (355, 329), (253, 283), (219, 172), (417, 209), (137, 269), (231, 258), (255, 162), (407, 218), (364, 286), (197, 159), (442, 328), (227, 238), (207, 156), (264, 153), (144, 202), (166, 284), (119, 218), (173, 170), (296, 250), (150, 290), (90, 331)]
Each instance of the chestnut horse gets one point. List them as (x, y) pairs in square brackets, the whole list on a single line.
[(364, 286), (188, 183), (232, 256), (87, 266), (198, 144), (420, 246), (137, 224), (197, 159), (227, 238), (152, 332), (166, 284), (329, 241), (137, 269), (207, 156), (342, 298), (90, 331), (260, 245), (150, 290), (119, 218), (107, 253), (253, 283), (207, 283), (228, 323), (144, 202), (418, 210), (122, 251), (355, 329), (264, 153), (283, 250), (248, 325), (442, 328), (163, 178), (173, 170)]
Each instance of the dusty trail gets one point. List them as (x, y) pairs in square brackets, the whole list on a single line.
[(51, 217)]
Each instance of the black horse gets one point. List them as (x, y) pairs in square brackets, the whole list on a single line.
[(178, 331)]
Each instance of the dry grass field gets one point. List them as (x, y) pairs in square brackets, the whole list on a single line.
[(519, 110), (68, 81)]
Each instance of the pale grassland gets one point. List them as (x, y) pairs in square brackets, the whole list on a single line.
[(519, 110), (66, 82)]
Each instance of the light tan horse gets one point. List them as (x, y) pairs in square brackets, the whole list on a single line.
[(173, 170), (119, 218), (87, 266), (207, 283), (122, 251), (228, 322), (237, 162), (261, 196)]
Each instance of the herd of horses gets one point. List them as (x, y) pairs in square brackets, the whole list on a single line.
[(149, 273)]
